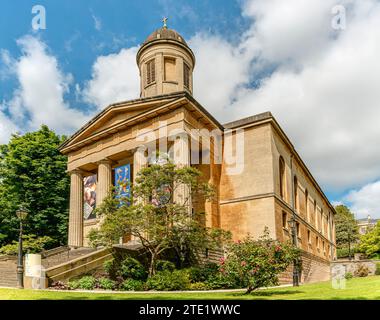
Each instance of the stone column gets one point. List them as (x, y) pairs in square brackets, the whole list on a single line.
[(76, 209), (104, 180), (182, 159), (139, 162)]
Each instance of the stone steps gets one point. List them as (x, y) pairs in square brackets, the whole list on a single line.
[(8, 274), (8, 267), (82, 264)]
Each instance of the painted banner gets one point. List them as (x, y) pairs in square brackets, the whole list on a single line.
[(122, 181), (89, 197)]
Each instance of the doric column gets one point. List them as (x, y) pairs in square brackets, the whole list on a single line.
[(104, 180), (139, 161), (76, 209), (182, 159)]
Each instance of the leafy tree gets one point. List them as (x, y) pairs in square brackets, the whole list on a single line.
[(257, 263), (32, 173), (153, 216), (346, 228), (370, 242)]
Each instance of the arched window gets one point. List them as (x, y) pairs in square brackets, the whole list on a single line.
[(282, 178), (315, 214), (295, 183), (306, 205)]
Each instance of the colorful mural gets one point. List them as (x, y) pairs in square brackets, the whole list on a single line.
[(122, 181), (89, 197)]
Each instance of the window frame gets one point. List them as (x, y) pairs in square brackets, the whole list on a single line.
[(150, 77), (186, 75)]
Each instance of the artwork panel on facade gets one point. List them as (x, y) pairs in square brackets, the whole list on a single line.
[(122, 181), (89, 197)]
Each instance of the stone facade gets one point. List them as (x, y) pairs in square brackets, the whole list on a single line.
[(263, 186)]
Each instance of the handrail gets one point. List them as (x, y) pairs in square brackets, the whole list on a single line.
[(54, 251)]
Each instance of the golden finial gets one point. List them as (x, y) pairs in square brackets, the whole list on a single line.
[(164, 22)]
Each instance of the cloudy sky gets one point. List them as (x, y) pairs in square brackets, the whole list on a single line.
[(314, 64)]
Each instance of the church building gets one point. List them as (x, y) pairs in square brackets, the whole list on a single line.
[(260, 179)]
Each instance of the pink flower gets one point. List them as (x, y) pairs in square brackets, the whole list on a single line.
[(222, 260), (243, 263), (278, 248)]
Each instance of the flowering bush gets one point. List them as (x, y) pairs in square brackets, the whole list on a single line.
[(257, 263)]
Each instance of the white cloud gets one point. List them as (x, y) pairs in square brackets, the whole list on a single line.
[(324, 88), (365, 201), (115, 78), (6, 65), (39, 99), (7, 127), (97, 22)]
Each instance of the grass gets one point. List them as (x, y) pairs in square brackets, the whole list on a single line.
[(357, 288)]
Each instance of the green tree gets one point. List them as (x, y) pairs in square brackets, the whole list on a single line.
[(346, 229), (32, 173), (153, 216), (257, 263), (370, 242)]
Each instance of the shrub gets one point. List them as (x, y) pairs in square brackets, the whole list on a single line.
[(30, 244), (348, 276), (377, 271), (257, 263), (362, 271), (166, 281), (164, 265), (106, 284), (203, 273), (59, 285), (132, 268), (219, 281), (132, 285), (111, 268), (85, 283), (198, 286)]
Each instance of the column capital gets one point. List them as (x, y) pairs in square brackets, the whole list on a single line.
[(76, 171), (141, 147), (105, 161)]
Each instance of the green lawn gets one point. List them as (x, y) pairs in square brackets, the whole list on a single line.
[(358, 288)]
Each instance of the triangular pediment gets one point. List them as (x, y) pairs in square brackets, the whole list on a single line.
[(124, 114), (114, 116)]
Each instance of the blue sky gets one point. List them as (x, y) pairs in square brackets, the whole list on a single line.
[(73, 37), (319, 81)]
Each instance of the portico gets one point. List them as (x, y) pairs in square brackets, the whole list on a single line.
[(128, 134)]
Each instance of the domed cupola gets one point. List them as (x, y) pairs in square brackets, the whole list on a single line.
[(166, 63)]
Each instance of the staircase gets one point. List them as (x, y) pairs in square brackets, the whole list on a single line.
[(8, 273), (50, 259), (85, 260)]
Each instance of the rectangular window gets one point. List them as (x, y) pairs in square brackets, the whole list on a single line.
[(298, 228), (150, 72), (169, 64), (186, 75), (308, 237), (317, 242), (284, 220)]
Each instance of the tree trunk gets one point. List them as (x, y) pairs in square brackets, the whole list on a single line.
[(152, 267), (249, 290)]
